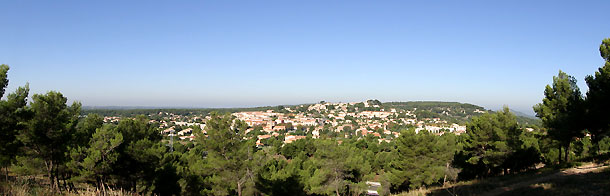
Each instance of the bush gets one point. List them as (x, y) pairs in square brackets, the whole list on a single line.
[(604, 145)]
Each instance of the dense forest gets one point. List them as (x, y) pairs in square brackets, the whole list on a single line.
[(46, 137)]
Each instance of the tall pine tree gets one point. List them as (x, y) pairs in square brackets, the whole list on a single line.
[(13, 113), (562, 111), (598, 96)]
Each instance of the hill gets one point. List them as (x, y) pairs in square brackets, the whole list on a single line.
[(452, 112)]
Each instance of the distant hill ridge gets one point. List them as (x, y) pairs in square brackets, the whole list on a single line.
[(452, 112)]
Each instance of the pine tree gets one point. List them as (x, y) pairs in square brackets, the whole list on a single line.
[(13, 112), (420, 159), (49, 132), (139, 155), (101, 156), (598, 95), (335, 169), (229, 156), (562, 111), (489, 141)]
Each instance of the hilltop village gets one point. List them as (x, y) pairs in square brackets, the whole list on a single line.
[(321, 120)]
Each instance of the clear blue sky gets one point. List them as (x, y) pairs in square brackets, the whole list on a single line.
[(253, 53)]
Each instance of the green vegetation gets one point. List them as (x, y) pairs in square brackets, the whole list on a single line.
[(562, 112), (450, 111), (48, 143), (421, 159), (495, 144), (453, 112)]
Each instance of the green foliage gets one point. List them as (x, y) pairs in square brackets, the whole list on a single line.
[(100, 156), (528, 121), (49, 131), (420, 159), (374, 102), (597, 103), (3, 78), (13, 114), (166, 179), (13, 117), (139, 155), (495, 143), (582, 147), (302, 148), (129, 155), (86, 128), (604, 145), (28, 166), (229, 156), (562, 111), (487, 138), (194, 172), (276, 176), (49, 138), (450, 111), (334, 169), (527, 152)]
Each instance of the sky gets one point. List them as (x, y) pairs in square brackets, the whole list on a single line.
[(259, 53)]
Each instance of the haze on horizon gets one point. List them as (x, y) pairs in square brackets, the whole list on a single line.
[(258, 53)]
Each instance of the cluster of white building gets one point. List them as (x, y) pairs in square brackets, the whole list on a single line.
[(364, 123)]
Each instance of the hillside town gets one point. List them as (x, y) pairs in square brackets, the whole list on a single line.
[(321, 120)]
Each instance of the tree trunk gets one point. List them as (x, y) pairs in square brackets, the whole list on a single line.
[(50, 173), (567, 153), (98, 183), (103, 186), (560, 161), (597, 149), (445, 178), (56, 178), (63, 176), (238, 189), (337, 190)]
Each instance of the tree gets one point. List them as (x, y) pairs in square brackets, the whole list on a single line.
[(275, 175), (561, 111), (420, 159), (167, 176), (229, 156), (302, 147), (49, 132), (335, 169), (489, 141), (140, 155), (101, 155), (582, 147), (86, 128), (79, 142), (603, 146), (195, 172), (13, 113), (3, 78), (598, 95)]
